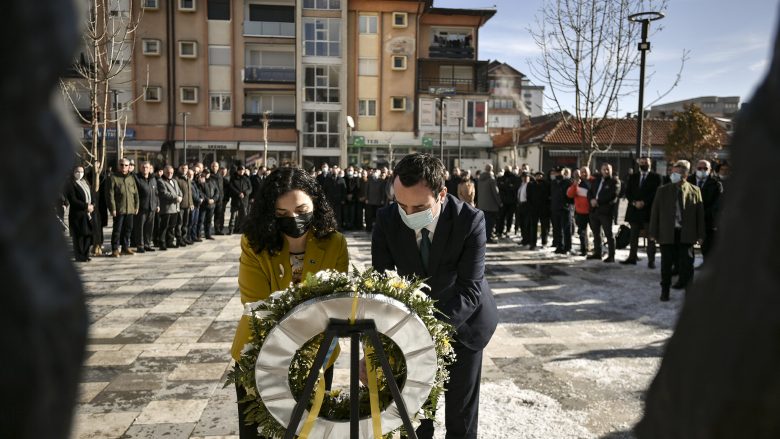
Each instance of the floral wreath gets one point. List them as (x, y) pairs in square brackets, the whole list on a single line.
[(335, 406)]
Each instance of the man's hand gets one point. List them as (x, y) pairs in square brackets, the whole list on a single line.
[(136, 212), (211, 201), (192, 207), (157, 210), (113, 213), (90, 208), (241, 195), (179, 199), (594, 203), (639, 204)]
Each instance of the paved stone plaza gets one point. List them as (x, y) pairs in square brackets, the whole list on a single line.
[(577, 344)]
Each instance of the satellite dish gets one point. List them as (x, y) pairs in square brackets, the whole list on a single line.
[(350, 122)]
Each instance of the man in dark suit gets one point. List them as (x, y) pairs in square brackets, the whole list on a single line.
[(603, 195), (640, 192), (430, 233), (677, 222), (539, 199), (711, 191)]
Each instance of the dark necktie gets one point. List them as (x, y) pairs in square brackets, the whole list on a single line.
[(701, 183), (642, 180), (425, 247)]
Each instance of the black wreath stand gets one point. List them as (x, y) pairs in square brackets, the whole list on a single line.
[(338, 328)]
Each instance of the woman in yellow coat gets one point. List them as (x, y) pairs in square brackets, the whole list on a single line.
[(289, 232)]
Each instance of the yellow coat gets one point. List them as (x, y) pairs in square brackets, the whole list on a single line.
[(260, 275)]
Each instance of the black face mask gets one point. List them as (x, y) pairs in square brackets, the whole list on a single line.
[(559, 177), (644, 168), (295, 227)]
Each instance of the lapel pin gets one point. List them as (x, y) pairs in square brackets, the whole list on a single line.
[(281, 270)]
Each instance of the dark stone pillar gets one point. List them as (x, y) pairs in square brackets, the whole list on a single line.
[(43, 320), (720, 376)]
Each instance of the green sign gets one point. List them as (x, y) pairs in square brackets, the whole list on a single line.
[(427, 142), (358, 141)]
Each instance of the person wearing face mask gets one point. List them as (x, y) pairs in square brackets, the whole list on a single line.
[(711, 191), (375, 198), (676, 223), (603, 195), (290, 232), (429, 233), (640, 193), (352, 184), (79, 196), (538, 193), (149, 207), (209, 188)]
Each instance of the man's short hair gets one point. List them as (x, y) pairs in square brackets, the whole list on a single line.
[(418, 167), (683, 164)]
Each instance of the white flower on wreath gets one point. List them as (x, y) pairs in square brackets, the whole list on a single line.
[(420, 294)]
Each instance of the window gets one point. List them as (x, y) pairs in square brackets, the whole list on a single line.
[(188, 49), (321, 84), (219, 55), (526, 95), (152, 94), (398, 103), (218, 9), (219, 102), (475, 114), (272, 13), (368, 24), (322, 37), (400, 19), (186, 5), (399, 62), (270, 59), (277, 104), (151, 47), (321, 4), (188, 95), (367, 67), (367, 107), (150, 4), (321, 129)]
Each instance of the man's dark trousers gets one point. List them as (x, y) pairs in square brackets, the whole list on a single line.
[(562, 217), (467, 369), (219, 216), (143, 224), (636, 229), (121, 232), (599, 222), (582, 221), (678, 254), (505, 217)]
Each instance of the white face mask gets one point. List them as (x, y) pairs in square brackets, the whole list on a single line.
[(419, 220), (702, 174), (78, 175), (675, 177)]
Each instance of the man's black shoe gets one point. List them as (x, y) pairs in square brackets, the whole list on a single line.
[(665, 295), (678, 286), (209, 237), (610, 259), (592, 257), (651, 264), (629, 261)]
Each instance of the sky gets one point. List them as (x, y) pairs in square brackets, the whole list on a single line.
[(729, 41)]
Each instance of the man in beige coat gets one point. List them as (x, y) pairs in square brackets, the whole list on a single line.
[(677, 223)]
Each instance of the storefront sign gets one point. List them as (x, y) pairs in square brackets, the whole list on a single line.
[(110, 133)]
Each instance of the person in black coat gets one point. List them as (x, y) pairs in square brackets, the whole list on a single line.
[(240, 191), (603, 194), (219, 206), (640, 192), (148, 208), (197, 201), (209, 190), (79, 196), (445, 245), (507, 190), (711, 191), (539, 199), (560, 211), (352, 182)]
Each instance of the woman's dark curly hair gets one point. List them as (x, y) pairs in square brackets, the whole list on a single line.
[(260, 225)]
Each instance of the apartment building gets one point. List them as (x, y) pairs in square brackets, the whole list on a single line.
[(416, 81), (207, 75)]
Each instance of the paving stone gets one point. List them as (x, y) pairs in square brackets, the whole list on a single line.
[(111, 358), (88, 391), (172, 411), (198, 372), (101, 425), (136, 381), (156, 431)]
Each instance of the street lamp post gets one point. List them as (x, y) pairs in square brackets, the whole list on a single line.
[(460, 135), (184, 115), (440, 100), (645, 18), (265, 138)]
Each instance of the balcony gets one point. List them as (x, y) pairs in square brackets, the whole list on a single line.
[(269, 29), (451, 85), (274, 120), (269, 74), (451, 52)]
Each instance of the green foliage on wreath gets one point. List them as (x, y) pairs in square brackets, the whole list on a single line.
[(336, 404)]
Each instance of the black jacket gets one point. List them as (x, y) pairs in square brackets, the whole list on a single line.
[(79, 220), (558, 198), (149, 201), (607, 197), (456, 266), (645, 193), (219, 182), (538, 193), (197, 196), (507, 188), (210, 191), (240, 184), (711, 192), (257, 183)]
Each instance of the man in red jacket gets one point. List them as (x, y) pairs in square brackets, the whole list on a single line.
[(578, 191)]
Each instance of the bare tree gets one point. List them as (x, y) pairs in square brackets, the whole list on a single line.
[(103, 67), (588, 50)]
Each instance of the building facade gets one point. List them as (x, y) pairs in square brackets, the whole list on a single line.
[(513, 99), (713, 106), (280, 81)]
